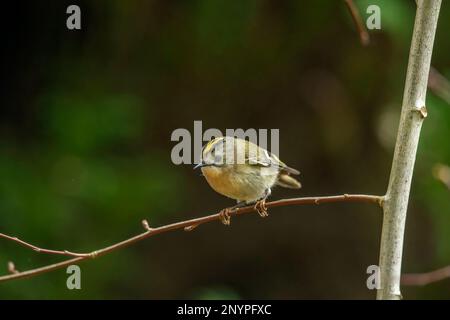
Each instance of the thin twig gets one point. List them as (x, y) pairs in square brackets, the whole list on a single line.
[(188, 225), (42, 250), (362, 31), (439, 85), (422, 279)]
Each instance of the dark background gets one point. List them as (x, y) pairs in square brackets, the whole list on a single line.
[(85, 127)]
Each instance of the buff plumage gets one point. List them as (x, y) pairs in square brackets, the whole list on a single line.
[(243, 171)]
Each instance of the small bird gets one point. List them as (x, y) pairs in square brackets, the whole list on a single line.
[(241, 170)]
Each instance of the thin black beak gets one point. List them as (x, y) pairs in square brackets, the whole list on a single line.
[(201, 164)]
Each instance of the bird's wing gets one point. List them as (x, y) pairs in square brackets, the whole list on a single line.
[(266, 159), (282, 166), (255, 155)]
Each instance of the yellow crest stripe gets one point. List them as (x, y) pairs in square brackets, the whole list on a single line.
[(211, 144)]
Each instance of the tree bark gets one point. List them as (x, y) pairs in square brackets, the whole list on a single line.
[(412, 115)]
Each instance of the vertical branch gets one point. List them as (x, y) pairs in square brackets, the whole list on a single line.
[(412, 115)]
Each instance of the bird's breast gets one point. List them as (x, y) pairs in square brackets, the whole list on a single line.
[(241, 185)]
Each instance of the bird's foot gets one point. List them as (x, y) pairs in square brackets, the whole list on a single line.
[(225, 217), (261, 208)]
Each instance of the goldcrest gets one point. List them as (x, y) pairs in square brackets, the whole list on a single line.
[(241, 170)]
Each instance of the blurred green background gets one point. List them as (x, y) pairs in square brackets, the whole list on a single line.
[(85, 127)]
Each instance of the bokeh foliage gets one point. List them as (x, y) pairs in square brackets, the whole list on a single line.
[(85, 145)]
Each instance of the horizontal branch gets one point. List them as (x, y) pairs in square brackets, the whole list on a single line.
[(186, 225), (422, 279)]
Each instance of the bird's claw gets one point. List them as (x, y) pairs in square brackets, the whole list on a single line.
[(261, 208), (225, 217)]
